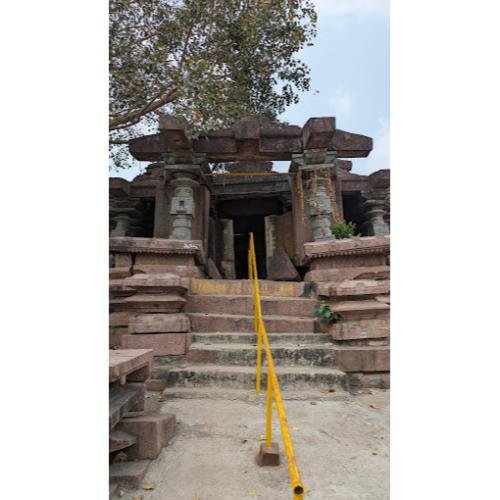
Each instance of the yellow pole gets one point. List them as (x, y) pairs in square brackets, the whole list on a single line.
[(269, 411), (273, 389)]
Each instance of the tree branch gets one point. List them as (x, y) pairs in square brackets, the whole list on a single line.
[(133, 117)]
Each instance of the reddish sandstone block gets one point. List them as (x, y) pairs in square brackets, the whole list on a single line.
[(159, 323), (152, 433), (129, 473), (162, 344), (363, 359), (360, 329)]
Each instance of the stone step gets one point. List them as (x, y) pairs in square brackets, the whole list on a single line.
[(246, 355), (249, 395), (251, 338), (237, 323), (267, 288), (243, 377), (119, 440), (243, 304)]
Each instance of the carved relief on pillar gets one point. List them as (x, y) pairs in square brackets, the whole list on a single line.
[(315, 173)]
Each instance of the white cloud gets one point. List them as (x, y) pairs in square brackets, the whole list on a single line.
[(354, 8), (380, 156), (342, 103)]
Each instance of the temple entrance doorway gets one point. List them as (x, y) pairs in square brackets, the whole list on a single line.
[(243, 225), (239, 218)]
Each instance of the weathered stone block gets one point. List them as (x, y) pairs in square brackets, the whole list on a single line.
[(213, 272), (363, 359), (159, 323), (152, 433), (360, 329), (162, 344), (281, 268), (268, 456)]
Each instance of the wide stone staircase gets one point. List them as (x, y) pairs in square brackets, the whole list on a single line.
[(222, 355)]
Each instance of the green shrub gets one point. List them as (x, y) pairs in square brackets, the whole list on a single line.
[(343, 230), (324, 312)]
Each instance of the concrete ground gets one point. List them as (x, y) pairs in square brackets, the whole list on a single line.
[(342, 449)]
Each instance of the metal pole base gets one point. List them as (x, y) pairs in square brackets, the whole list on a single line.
[(268, 456)]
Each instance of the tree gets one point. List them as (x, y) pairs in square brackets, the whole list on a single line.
[(212, 61)]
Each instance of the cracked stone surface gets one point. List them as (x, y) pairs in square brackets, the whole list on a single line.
[(341, 444)]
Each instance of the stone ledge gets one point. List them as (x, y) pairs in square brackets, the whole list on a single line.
[(126, 244), (157, 283), (159, 323), (353, 288), (349, 273), (350, 246), (125, 361)]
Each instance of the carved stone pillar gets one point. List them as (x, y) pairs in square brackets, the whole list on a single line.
[(182, 206), (315, 170), (376, 203), (375, 206)]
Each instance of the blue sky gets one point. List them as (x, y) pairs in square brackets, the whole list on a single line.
[(349, 64)]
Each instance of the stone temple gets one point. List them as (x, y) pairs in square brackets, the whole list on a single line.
[(178, 246)]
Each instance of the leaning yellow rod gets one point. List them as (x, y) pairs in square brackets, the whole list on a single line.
[(273, 388)]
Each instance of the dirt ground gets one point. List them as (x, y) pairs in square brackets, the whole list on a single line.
[(342, 449)]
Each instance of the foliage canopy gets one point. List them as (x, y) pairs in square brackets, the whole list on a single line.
[(212, 61)]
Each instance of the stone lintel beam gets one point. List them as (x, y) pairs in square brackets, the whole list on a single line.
[(349, 145), (147, 148), (318, 133), (251, 139)]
